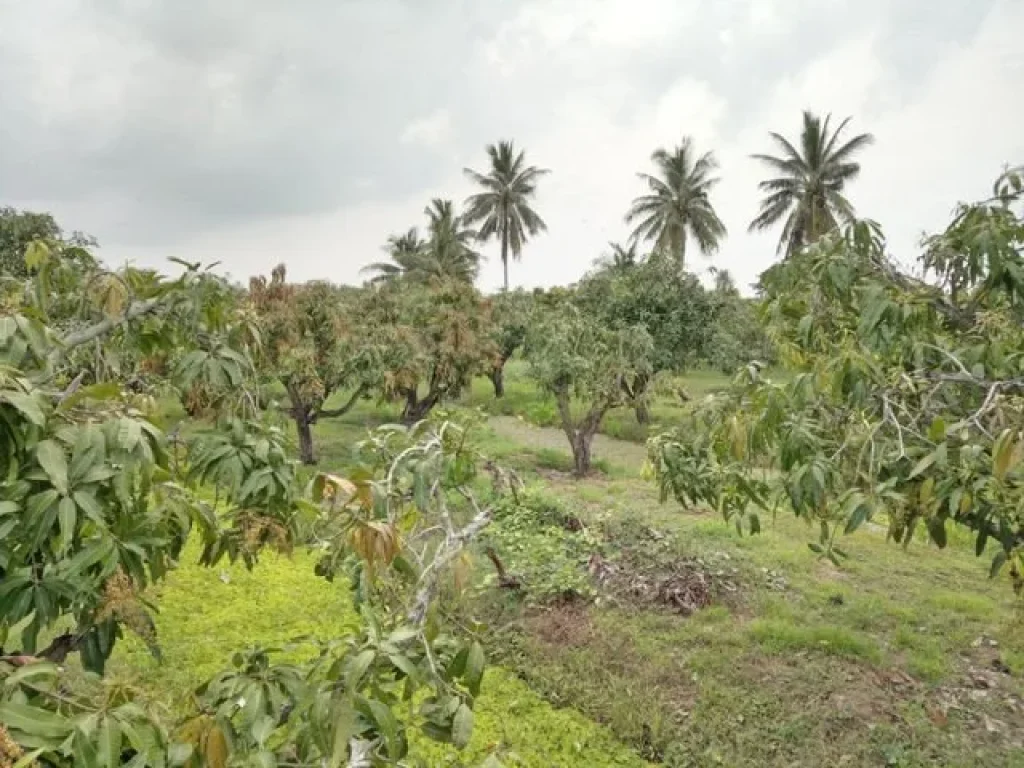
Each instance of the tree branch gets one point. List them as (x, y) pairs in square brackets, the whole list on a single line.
[(135, 310), (330, 413), (446, 553)]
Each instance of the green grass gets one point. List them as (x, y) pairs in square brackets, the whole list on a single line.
[(208, 613), (805, 675)]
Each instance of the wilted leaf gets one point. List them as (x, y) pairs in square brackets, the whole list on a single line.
[(216, 748)]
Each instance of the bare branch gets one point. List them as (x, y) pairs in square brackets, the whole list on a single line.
[(135, 310), (446, 553)]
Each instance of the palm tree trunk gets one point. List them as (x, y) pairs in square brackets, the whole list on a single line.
[(504, 252), (682, 251)]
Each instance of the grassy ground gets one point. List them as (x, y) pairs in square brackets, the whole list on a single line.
[(207, 614), (901, 658)]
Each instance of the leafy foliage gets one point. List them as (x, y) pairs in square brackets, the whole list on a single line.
[(670, 304), (737, 334), (95, 506), (314, 344), (573, 355), (544, 548), (510, 318), (433, 339), (907, 404), (21, 231)]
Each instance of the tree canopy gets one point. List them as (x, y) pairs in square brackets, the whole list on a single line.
[(314, 346), (574, 356), (97, 504), (907, 398)]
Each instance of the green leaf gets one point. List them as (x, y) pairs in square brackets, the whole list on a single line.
[(474, 668), (110, 743), (922, 465), (404, 569), (50, 455), (37, 253), (129, 432), (462, 727), (346, 726), (179, 754), (39, 669), (87, 501), (857, 517), (67, 516), (356, 669), (26, 405), (997, 563), (387, 725), (982, 540), (28, 760), (937, 531), (33, 721), (403, 663)]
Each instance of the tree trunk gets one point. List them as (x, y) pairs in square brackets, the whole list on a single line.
[(581, 452), (498, 380), (640, 405), (504, 253), (302, 424), (415, 409), (643, 413)]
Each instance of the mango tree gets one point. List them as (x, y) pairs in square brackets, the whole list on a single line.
[(670, 304), (510, 317), (314, 344), (906, 399), (95, 506), (738, 335), (433, 338), (575, 357)]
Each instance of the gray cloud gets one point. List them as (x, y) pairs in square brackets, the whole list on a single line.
[(254, 131)]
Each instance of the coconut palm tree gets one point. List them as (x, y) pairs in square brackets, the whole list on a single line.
[(446, 253), (405, 252), (621, 258), (503, 209), (449, 251), (808, 190), (678, 205)]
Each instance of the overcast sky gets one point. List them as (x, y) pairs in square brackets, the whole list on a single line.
[(252, 132)]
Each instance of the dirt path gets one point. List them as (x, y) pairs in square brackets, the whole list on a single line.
[(621, 453)]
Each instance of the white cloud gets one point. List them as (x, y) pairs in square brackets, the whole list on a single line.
[(588, 87), (430, 130)]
